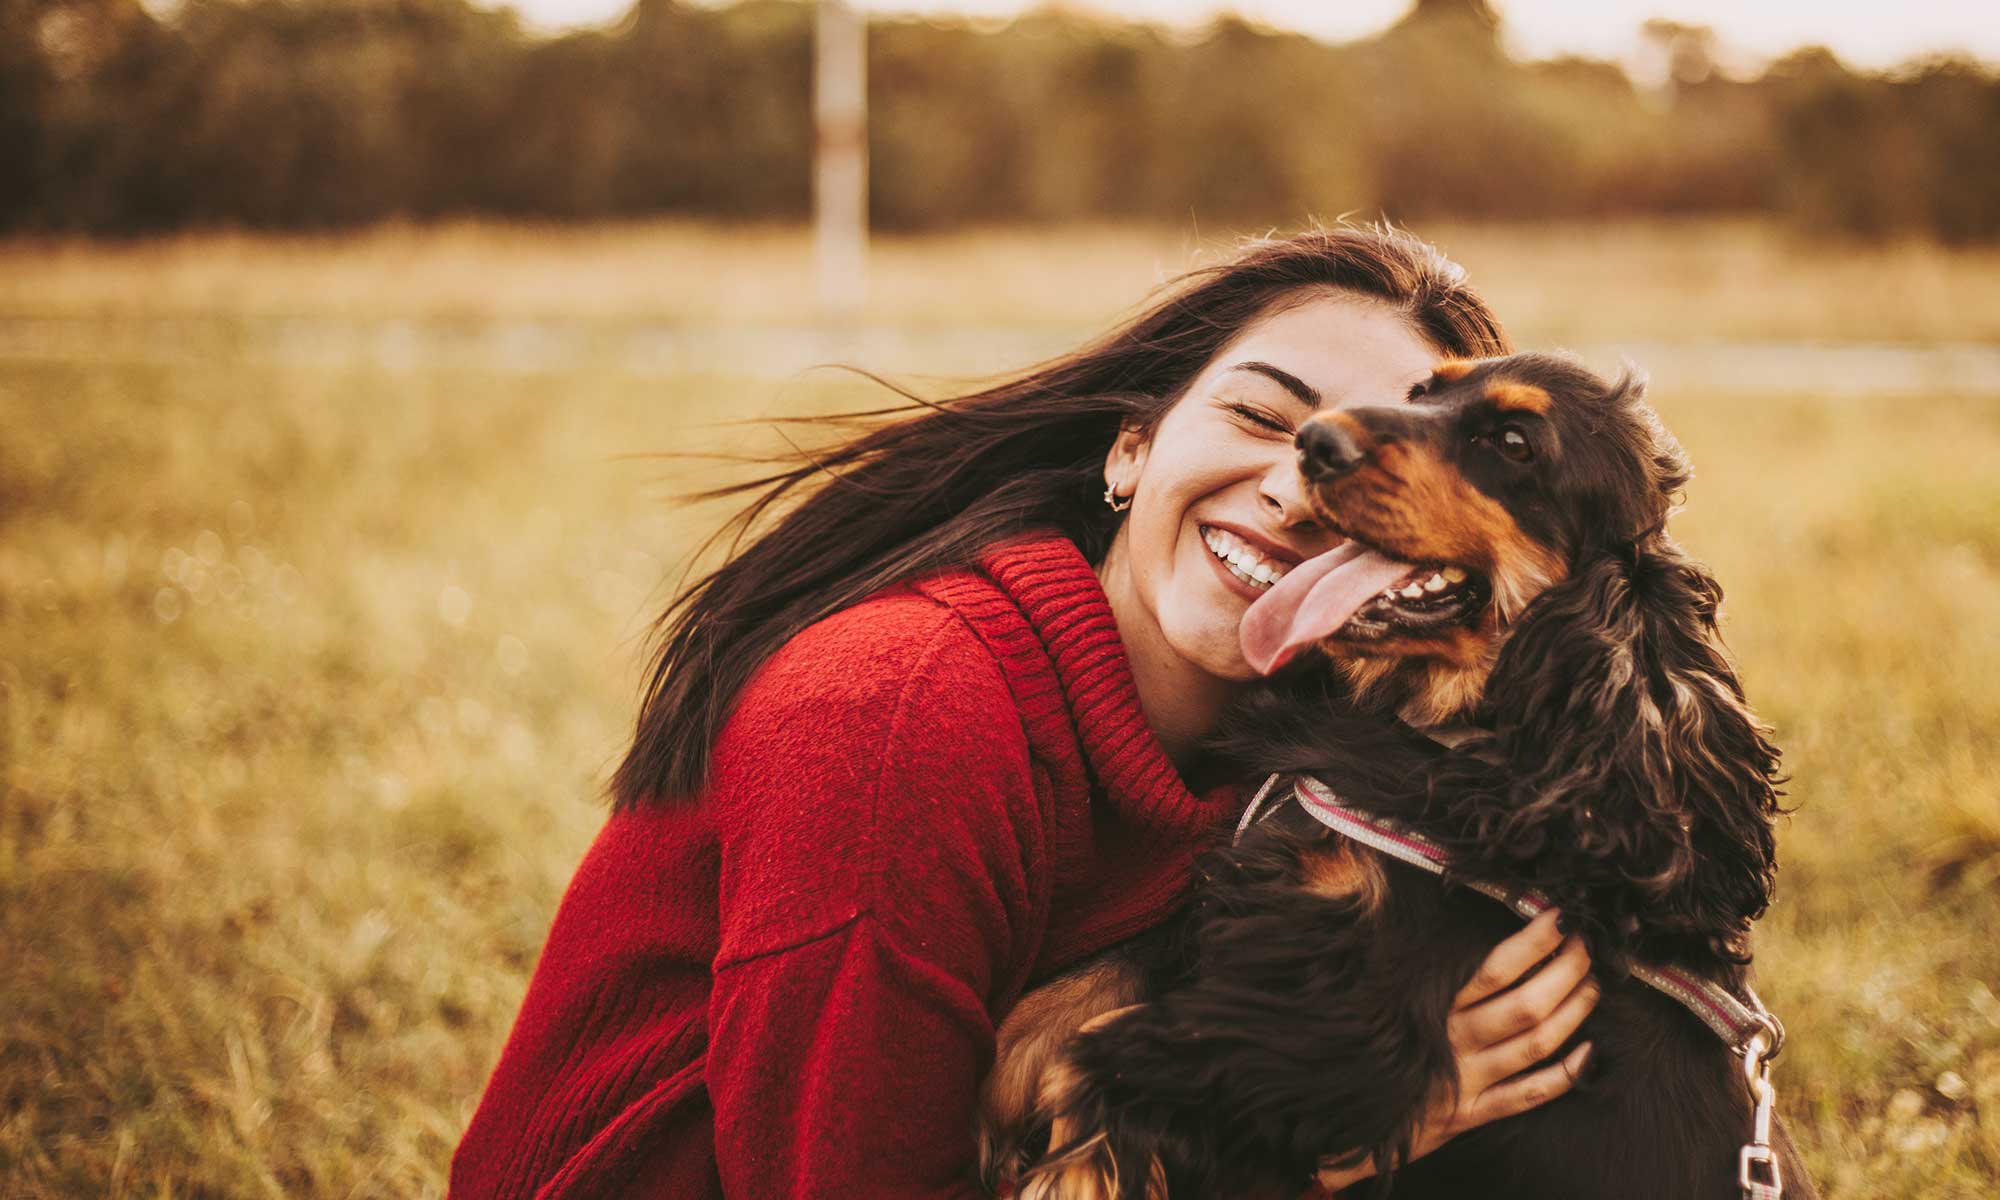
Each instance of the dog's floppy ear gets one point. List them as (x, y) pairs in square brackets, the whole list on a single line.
[(1634, 762)]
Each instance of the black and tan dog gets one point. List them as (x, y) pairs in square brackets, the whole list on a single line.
[(1507, 587)]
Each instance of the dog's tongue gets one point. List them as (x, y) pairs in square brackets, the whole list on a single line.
[(1311, 601)]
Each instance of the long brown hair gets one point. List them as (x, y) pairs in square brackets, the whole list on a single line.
[(933, 489)]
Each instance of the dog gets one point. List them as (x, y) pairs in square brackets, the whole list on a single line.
[(1530, 677)]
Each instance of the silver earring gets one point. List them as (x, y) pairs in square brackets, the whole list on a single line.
[(1111, 497)]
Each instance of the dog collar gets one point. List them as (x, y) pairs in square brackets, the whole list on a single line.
[(1737, 1021)]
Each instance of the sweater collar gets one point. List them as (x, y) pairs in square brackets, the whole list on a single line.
[(1057, 590)]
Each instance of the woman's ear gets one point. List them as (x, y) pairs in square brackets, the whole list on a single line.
[(1126, 460)]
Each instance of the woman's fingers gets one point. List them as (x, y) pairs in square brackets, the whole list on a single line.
[(1512, 959), (1535, 1045), (1529, 997), (1523, 1092), (1521, 1008)]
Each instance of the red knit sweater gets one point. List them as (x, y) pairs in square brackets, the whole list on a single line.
[(920, 806)]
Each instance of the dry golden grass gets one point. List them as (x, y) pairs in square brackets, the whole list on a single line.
[(1582, 283), (310, 674)]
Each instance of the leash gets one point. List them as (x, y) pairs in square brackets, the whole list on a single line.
[(1744, 1025)]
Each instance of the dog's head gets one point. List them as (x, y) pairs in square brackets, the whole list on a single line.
[(1461, 506), (1507, 560)]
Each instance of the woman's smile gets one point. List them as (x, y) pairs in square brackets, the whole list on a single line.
[(1248, 568)]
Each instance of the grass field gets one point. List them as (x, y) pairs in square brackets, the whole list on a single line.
[(311, 671)]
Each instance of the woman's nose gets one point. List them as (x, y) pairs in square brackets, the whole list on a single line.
[(1284, 495)]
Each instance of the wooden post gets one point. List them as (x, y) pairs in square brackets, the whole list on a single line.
[(840, 174)]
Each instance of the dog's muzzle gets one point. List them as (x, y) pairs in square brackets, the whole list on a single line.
[(1328, 450)]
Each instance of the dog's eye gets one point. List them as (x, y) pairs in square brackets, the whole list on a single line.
[(1514, 444)]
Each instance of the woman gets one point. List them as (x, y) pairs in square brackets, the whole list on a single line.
[(938, 735)]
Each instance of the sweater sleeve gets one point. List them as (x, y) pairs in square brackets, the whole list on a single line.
[(877, 815)]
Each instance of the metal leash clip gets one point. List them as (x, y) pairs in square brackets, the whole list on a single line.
[(1758, 1165)]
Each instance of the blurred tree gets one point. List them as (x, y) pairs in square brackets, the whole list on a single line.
[(1687, 52), (26, 79), (58, 58), (308, 113), (1475, 16), (1868, 155)]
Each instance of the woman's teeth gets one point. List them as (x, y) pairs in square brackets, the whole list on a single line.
[(1243, 562)]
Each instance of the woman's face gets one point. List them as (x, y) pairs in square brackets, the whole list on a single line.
[(1217, 508)]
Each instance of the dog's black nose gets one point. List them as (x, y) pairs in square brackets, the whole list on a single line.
[(1327, 449)]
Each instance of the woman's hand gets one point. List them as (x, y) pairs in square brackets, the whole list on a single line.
[(1502, 1024)]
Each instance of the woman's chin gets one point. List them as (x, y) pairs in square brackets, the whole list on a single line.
[(1214, 645)]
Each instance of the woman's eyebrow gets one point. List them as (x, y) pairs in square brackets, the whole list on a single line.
[(1290, 382)]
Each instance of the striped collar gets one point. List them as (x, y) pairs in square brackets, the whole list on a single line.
[(1736, 1020)]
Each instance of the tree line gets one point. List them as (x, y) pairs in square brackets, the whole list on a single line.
[(301, 114)]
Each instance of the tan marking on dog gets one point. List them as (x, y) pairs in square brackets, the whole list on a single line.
[(1028, 1049), (1083, 1171), (1416, 507), (1441, 679), (1104, 1018), (1367, 676), (1338, 870), (1086, 1171), (1362, 435), (1451, 370), (1508, 396), (1079, 1165), (1444, 694)]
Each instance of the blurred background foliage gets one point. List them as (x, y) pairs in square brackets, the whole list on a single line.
[(304, 114)]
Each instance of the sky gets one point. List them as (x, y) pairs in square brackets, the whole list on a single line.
[(1866, 33)]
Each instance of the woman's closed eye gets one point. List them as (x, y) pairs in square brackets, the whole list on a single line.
[(1261, 418)]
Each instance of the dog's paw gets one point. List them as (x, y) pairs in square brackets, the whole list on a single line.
[(1087, 1171), (1081, 1163), (1014, 1112)]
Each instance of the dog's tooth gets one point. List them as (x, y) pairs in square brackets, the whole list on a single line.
[(1261, 573), (1413, 591), (1434, 584), (1454, 575)]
